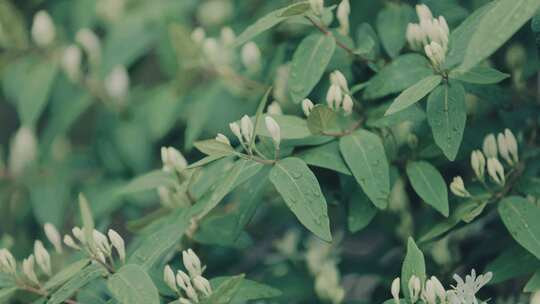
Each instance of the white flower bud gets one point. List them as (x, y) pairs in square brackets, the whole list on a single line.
[(102, 243), (198, 35), (423, 12), (429, 293), (223, 139), (71, 62), (458, 187), (169, 279), (202, 285), (22, 151), (117, 84), (395, 289), (307, 106), (101, 257), (192, 294), (43, 259), (28, 269), (235, 128), (317, 6), (496, 171), (246, 126), (478, 164), (440, 292), (347, 104), (184, 301), (251, 56), (508, 148), (334, 97), (227, 36), (274, 130), (68, 240), (90, 44), (274, 108), (435, 53), (183, 280), (43, 31), (192, 263), (342, 14), (211, 49), (53, 236), (172, 160), (78, 234), (415, 36), (7, 262), (118, 243), (337, 78), (414, 288), (490, 146)]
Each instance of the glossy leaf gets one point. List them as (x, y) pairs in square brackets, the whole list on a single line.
[(413, 94)]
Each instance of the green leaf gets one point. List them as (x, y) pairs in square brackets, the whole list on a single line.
[(131, 285), (149, 181), (212, 147), (247, 290), (361, 212), (326, 156), (414, 264), (292, 127), (81, 278), (364, 153), (513, 262), (267, 22), (533, 284), (321, 119), (413, 94), (296, 9), (401, 73), (392, 24), (447, 116), (309, 63), (480, 75), (521, 219), (495, 27), (225, 291), (87, 220), (300, 190), (429, 184), (65, 274), (6, 293), (367, 44)]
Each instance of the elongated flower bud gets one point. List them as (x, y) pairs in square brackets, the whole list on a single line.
[(423, 12), (117, 84), (490, 146), (440, 292), (307, 106), (91, 45), (496, 171), (172, 160), (429, 295), (28, 269), (53, 236), (7, 262), (395, 289), (223, 139), (342, 14), (183, 280), (246, 126), (192, 263), (43, 259), (274, 130), (347, 105), (274, 109), (508, 147), (251, 56), (235, 129), (192, 294), (71, 62), (478, 164), (68, 240), (43, 31), (198, 35), (118, 243), (102, 243), (78, 234), (202, 285), (414, 288), (337, 78), (227, 36), (458, 187), (169, 279), (22, 151), (317, 6), (334, 97)]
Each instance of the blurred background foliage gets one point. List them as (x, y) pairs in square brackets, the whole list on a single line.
[(90, 142)]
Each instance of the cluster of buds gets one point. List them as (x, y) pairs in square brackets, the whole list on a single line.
[(41, 257), (173, 160), (342, 14), (190, 287), (244, 132), (101, 245), (433, 292), (505, 145), (338, 95), (430, 34)]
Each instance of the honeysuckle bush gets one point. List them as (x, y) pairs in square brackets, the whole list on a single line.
[(231, 151)]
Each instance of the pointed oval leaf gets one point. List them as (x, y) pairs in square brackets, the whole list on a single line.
[(447, 116), (300, 190), (480, 75), (429, 184), (364, 153), (321, 119), (521, 219), (132, 285), (413, 94), (309, 63), (391, 24), (413, 264)]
